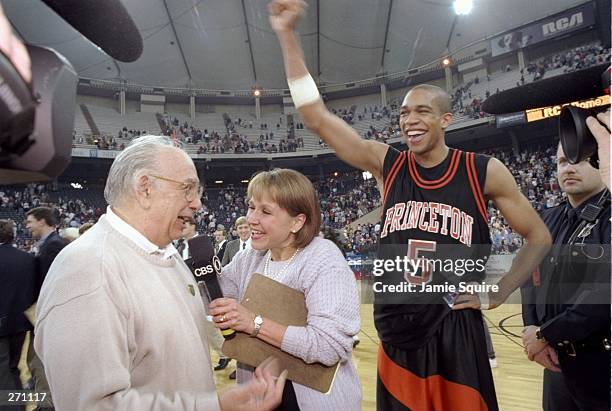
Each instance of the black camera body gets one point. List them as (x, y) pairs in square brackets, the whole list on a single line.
[(576, 139), (36, 122)]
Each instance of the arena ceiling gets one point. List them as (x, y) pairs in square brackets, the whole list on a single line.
[(228, 44)]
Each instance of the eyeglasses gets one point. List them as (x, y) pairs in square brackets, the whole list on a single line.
[(193, 189)]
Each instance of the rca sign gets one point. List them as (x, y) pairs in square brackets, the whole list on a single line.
[(562, 24)]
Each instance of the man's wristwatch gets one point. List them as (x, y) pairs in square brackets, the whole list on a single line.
[(257, 323), (539, 335)]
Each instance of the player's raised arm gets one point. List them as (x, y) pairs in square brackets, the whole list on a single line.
[(342, 138)]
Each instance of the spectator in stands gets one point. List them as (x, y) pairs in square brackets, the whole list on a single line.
[(284, 217), (341, 197), (342, 203), (543, 193), (575, 59), (243, 241)]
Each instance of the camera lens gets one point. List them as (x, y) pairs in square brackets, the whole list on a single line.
[(576, 139)]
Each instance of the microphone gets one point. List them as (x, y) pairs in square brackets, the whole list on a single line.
[(206, 266), (565, 88), (105, 23)]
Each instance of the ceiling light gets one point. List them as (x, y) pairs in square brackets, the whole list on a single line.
[(462, 7)]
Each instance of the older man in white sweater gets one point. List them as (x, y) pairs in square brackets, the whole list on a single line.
[(120, 319)]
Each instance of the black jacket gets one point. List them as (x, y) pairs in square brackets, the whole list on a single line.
[(47, 252), (572, 301), (222, 250), (18, 284)]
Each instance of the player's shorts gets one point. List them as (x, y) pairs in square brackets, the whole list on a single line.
[(450, 372)]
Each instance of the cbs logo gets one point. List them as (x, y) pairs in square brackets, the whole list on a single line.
[(215, 267)]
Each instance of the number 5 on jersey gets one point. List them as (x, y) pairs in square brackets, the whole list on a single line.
[(421, 269)]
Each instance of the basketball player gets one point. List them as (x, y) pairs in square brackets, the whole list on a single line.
[(433, 353)]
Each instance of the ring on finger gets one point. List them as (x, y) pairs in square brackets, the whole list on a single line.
[(223, 318)]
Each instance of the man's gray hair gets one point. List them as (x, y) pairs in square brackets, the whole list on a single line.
[(139, 157)]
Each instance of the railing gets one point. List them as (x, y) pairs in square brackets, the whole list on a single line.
[(123, 85)]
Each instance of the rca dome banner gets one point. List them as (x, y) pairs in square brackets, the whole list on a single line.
[(565, 22)]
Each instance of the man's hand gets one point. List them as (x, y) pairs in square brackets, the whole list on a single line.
[(464, 301), (548, 359), (602, 135), (14, 49), (473, 301), (533, 346), (284, 14), (264, 392)]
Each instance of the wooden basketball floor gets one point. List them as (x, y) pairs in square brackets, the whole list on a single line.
[(518, 381)]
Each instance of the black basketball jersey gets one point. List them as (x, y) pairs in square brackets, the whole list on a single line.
[(435, 219)]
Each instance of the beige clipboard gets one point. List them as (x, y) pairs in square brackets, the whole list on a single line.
[(286, 306)]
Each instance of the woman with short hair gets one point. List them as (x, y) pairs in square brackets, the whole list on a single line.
[(284, 216)]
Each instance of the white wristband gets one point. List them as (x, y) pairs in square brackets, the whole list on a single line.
[(484, 300), (303, 91)]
